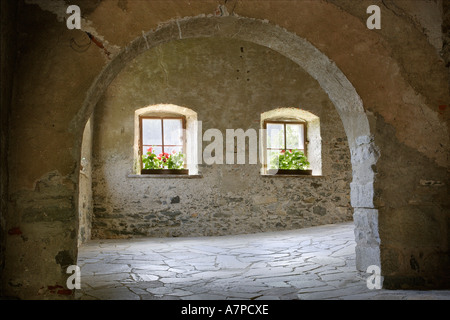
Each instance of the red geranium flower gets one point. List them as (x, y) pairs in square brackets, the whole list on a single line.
[(150, 149), (164, 156)]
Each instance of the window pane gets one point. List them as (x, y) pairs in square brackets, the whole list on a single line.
[(151, 132), (294, 136), (173, 132), (156, 149), (275, 135), (171, 149), (272, 158)]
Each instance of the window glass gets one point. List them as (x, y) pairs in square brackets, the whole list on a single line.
[(272, 158), (275, 136), (151, 132), (294, 136), (156, 149), (173, 132), (173, 149)]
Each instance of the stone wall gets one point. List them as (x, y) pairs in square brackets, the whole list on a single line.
[(229, 83)]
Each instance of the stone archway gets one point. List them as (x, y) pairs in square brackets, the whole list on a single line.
[(364, 153)]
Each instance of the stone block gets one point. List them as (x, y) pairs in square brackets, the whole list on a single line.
[(361, 195), (364, 151), (367, 256), (366, 219), (321, 211), (262, 200)]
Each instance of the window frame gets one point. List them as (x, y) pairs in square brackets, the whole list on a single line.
[(141, 141), (284, 122)]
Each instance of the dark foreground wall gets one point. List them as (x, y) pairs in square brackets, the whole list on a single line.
[(8, 59)]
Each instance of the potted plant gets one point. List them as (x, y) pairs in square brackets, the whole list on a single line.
[(163, 163), (289, 162)]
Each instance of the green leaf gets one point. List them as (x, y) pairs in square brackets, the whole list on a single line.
[(291, 160)]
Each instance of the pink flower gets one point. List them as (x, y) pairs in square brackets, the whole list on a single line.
[(150, 149), (174, 152)]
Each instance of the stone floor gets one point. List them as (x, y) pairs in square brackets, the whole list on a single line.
[(314, 263)]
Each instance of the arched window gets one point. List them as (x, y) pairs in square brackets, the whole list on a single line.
[(165, 140), (289, 130)]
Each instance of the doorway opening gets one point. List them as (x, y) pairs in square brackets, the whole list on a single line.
[(343, 97)]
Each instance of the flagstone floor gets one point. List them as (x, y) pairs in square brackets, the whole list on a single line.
[(313, 264)]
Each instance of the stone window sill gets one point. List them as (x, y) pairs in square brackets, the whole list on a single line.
[(165, 176), (290, 176)]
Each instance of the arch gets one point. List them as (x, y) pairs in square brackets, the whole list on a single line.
[(364, 153)]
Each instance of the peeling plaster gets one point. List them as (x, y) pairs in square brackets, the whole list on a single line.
[(59, 8)]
